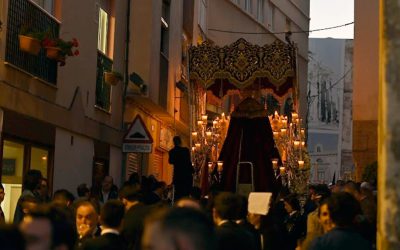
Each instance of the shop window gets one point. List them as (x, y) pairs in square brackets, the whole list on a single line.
[(39, 160), (13, 162)]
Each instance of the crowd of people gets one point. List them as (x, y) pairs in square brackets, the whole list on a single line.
[(143, 214)]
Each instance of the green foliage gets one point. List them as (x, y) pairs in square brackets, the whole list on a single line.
[(370, 172), (26, 30)]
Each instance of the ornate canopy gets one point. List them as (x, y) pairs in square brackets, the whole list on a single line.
[(242, 65)]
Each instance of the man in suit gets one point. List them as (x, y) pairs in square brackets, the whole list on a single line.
[(111, 216), (136, 212), (179, 228), (229, 234), (87, 220), (108, 190), (180, 157)]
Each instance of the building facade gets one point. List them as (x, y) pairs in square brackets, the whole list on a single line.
[(65, 121), (329, 114), (366, 84)]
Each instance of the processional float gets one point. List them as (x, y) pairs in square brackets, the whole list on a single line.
[(242, 147)]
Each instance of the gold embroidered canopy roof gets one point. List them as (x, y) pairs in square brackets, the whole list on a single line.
[(242, 65)]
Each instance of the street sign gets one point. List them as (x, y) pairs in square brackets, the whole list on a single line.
[(138, 138)]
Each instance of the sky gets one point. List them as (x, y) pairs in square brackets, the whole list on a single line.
[(328, 13)]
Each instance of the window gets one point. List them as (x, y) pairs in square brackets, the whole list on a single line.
[(260, 10), (102, 39), (247, 5), (321, 176), (165, 28), (39, 160), (271, 16), (318, 148), (202, 15)]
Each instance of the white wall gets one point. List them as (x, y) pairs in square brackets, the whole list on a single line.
[(72, 163)]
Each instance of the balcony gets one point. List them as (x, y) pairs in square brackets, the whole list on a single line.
[(103, 90), (23, 12)]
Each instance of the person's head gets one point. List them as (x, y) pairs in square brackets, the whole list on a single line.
[(1, 193), (107, 183), (243, 209), (338, 187), (47, 227), (134, 178), (324, 217), (130, 195), (87, 217), (321, 192), (43, 188), (366, 189), (177, 140), (111, 214), (226, 207), (179, 228), (63, 197), (11, 238), (28, 203), (83, 191), (32, 180), (189, 203), (343, 208), (352, 188), (291, 203)]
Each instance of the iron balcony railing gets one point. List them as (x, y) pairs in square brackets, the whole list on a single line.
[(103, 90), (25, 13)]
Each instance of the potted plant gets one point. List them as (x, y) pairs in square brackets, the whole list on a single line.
[(112, 77), (30, 40), (58, 49)]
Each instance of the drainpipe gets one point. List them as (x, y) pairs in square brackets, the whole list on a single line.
[(126, 82)]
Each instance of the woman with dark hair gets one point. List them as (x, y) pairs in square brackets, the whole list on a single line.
[(294, 222), (341, 209)]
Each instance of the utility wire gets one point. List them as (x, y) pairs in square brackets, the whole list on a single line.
[(282, 32)]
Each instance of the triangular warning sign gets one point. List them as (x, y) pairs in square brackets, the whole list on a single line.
[(137, 132)]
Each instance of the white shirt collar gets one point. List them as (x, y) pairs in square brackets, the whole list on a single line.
[(109, 231)]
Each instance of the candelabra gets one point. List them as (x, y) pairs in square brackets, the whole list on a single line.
[(207, 139), (289, 139)]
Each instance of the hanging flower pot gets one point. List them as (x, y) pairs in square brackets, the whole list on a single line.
[(112, 78), (53, 53), (29, 45)]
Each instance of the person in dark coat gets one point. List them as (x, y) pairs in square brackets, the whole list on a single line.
[(136, 212), (230, 235), (182, 179), (111, 216), (343, 209)]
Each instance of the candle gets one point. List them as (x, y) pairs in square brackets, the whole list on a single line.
[(283, 130), (282, 170), (193, 149), (275, 164), (296, 144), (194, 134), (197, 145), (208, 134), (302, 131), (210, 167), (199, 123), (275, 133), (204, 118), (301, 164), (215, 123), (294, 115), (220, 166)]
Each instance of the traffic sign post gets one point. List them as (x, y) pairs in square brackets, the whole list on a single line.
[(137, 138)]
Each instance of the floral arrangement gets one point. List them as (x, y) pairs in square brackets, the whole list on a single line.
[(65, 48)]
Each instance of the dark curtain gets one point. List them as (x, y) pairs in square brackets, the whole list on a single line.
[(257, 147)]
